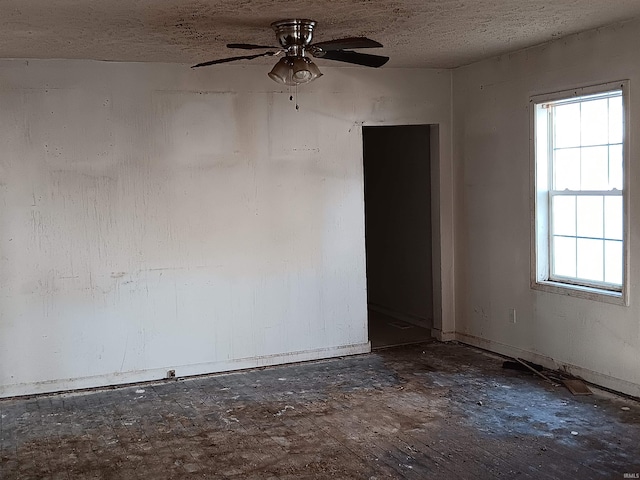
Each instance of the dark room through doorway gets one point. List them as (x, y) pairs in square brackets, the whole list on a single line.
[(397, 192)]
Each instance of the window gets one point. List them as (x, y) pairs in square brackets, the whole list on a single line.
[(579, 149)]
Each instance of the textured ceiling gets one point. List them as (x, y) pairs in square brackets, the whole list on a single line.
[(416, 33)]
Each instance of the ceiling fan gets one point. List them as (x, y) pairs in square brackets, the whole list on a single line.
[(295, 37)]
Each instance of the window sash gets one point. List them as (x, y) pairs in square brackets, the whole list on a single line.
[(551, 125), (582, 99), (579, 282), (586, 193)]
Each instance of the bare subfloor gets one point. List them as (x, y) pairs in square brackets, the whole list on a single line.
[(437, 411)]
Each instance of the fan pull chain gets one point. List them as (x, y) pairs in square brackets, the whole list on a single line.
[(294, 96)]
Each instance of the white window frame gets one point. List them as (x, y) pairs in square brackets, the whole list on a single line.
[(540, 215)]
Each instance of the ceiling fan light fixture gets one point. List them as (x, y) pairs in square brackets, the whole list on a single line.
[(294, 71)]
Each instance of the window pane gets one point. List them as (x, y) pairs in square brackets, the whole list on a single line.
[(613, 217), (590, 216), (615, 167), (594, 122), (564, 215), (590, 261), (594, 174), (567, 125), (613, 262), (615, 120), (564, 257), (567, 169)]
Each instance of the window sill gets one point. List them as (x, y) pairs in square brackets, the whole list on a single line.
[(588, 293)]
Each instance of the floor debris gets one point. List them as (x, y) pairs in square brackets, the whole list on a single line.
[(348, 419), (287, 407), (577, 386), (508, 364), (540, 374)]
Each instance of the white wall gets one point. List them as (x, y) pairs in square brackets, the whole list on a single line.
[(154, 217), (599, 341)]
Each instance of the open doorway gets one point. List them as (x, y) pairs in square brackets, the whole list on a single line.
[(397, 191)]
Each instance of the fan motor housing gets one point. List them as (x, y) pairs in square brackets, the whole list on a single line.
[(294, 34)]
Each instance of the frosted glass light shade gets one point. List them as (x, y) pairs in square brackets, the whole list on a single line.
[(282, 71), (304, 70), (294, 71)]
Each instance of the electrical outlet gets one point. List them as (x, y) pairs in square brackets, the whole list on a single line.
[(171, 374), (512, 315)]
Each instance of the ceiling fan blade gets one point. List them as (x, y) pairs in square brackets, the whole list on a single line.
[(343, 43), (233, 59), (356, 58), (247, 46)]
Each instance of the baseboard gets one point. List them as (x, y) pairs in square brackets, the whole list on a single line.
[(442, 336), (114, 379), (590, 376), (405, 317)]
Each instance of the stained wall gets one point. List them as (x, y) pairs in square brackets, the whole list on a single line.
[(153, 217)]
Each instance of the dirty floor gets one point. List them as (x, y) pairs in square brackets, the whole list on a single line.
[(432, 410)]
